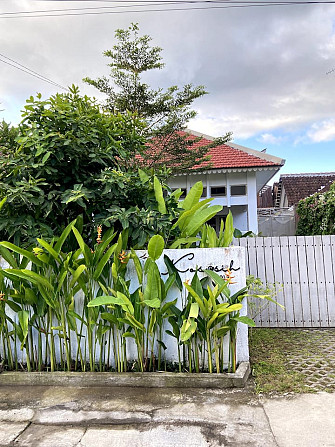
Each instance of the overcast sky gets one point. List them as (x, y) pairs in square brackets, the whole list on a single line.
[(264, 67)]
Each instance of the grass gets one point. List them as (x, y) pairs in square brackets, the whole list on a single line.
[(268, 358)]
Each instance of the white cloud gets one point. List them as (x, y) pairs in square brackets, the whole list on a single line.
[(268, 138), (323, 131), (264, 68)]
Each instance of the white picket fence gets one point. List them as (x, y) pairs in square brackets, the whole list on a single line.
[(305, 266)]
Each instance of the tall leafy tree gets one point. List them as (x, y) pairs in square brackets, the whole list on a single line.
[(166, 112), (67, 159)]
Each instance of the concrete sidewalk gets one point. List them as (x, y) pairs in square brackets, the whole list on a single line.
[(57, 416)]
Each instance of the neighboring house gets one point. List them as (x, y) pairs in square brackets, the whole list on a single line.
[(235, 177), (276, 207), (293, 187)]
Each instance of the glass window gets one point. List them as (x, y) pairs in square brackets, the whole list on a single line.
[(238, 190), (218, 191)]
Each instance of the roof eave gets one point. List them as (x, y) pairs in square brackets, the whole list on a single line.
[(231, 169)]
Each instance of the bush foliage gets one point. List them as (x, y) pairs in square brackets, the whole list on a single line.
[(317, 214)]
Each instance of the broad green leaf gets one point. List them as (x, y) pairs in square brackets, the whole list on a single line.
[(48, 248), (109, 317), (106, 240), (103, 261), (199, 218), (153, 286), (76, 275), (152, 322), (126, 303), (197, 298), (135, 323), (3, 201), (22, 252), (222, 331), (194, 310), (128, 335), (187, 216), (84, 248), (154, 303), (187, 330), (245, 320), (143, 176), (33, 277), (7, 255), (156, 247), (138, 266), (63, 237), (23, 316), (228, 233), (159, 196), (229, 309), (216, 278), (104, 301), (193, 196), (173, 271), (184, 241), (212, 320)]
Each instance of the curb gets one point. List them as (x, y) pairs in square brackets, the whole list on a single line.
[(136, 379)]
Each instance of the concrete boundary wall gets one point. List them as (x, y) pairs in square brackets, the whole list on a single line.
[(186, 261)]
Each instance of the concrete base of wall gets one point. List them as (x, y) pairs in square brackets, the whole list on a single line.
[(144, 380)]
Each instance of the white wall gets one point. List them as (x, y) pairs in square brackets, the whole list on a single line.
[(244, 208)]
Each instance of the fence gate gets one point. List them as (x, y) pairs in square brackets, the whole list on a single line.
[(305, 266)]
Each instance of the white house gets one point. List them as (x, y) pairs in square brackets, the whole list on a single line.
[(234, 179)]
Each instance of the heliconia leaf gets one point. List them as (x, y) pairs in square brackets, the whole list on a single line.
[(187, 330), (173, 271), (245, 320), (135, 323), (199, 218), (84, 248), (184, 241), (193, 196), (128, 335), (156, 247), (104, 301), (222, 331), (216, 278), (154, 303), (194, 310), (76, 274), (228, 233), (109, 317), (24, 323), (7, 255), (143, 176), (187, 216), (197, 298), (3, 201), (48, 248), (63, 237), (22, 252), (159, 196), (104, 261), (33, 277), (212, 320)]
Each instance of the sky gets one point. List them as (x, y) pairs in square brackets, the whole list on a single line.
[(269, 70)]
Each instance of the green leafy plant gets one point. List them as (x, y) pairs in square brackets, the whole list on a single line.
[(317, 214)]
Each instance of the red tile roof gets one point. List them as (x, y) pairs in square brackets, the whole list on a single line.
[(227, 156), (300, 186)]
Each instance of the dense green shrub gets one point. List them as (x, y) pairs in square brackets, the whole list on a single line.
[(317, 214)]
